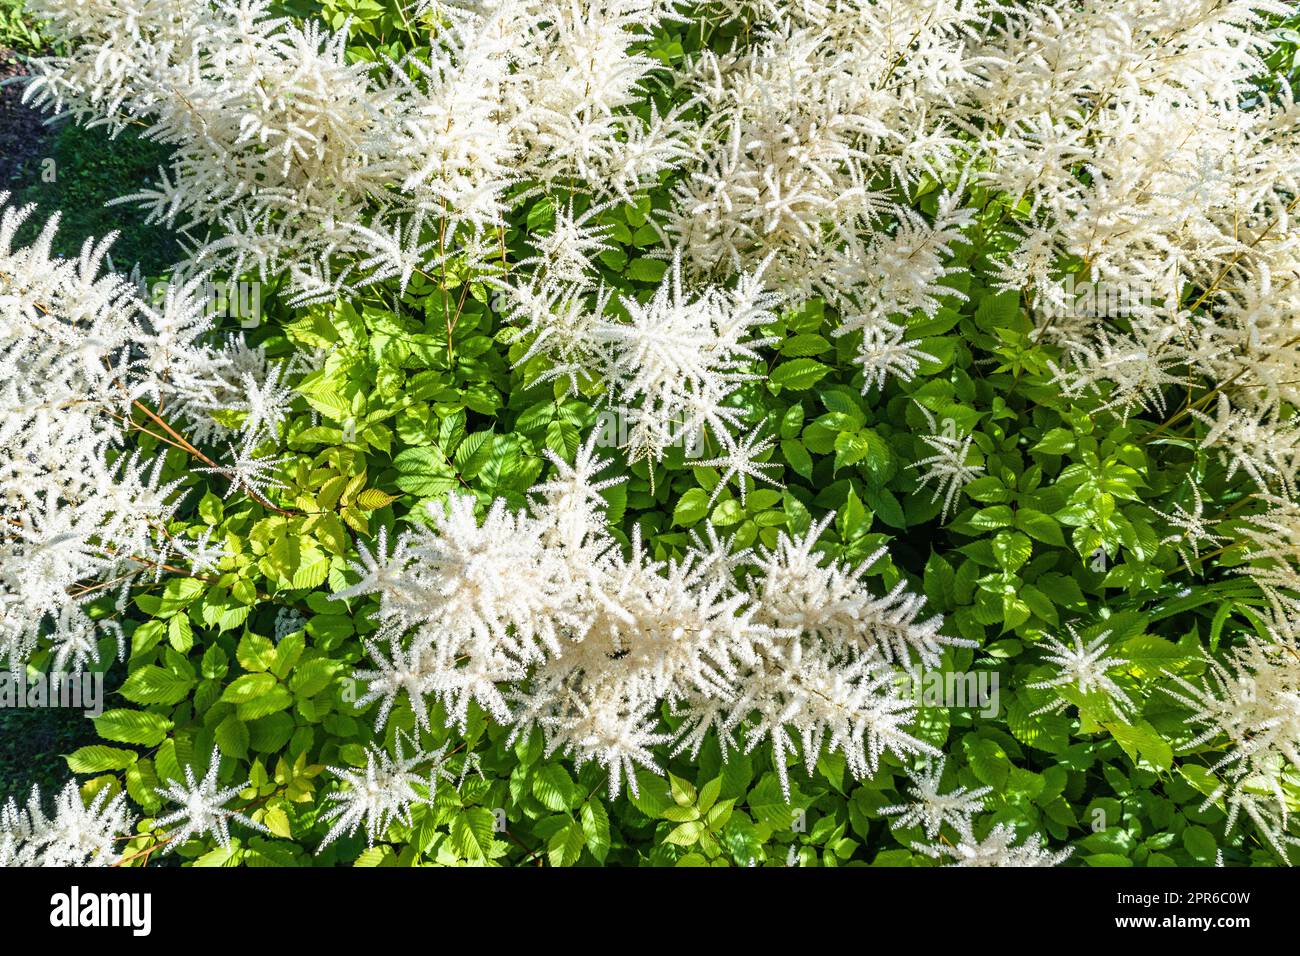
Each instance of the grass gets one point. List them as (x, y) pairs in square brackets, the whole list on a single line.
[(89, 170), (32, 744)]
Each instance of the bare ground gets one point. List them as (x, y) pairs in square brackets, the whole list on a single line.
[(24, 138)]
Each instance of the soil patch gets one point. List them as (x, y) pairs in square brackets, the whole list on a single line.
[(25, 140)]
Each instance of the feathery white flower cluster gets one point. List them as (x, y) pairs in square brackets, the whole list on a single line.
[(540, 618), (1085, 669), (1253, 702), (202, 807), (1125, 140), (1130, 130), (997, 848), (78, 350), (1153, 168), (76, 834), (1154, 171), (389, 789), (931, 810), (672, 362), (288, 156), (813, 138)]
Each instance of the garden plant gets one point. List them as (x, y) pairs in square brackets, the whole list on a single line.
[(639, 432)]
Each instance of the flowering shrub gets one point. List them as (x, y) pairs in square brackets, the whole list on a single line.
[(733, 434)]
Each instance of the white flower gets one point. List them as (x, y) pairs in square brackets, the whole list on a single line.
[(1191, 528), (931, 809), (541, 618), (76, 835), (250, 473), (202, 807), (949, 468), (403, 673), (79, 351), (802, 591), (1085, 668), (564, 254), (996, 849), (1252, 703), (739, 460), (384, 792), (678, 358), (886, 350)]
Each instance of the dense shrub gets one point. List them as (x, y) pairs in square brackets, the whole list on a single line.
[(634, 433)]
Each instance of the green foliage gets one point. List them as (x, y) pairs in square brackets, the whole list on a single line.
[(17, 31), (83, 170)]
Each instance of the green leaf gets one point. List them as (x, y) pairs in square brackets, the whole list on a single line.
[(1057, 441), (995, 516), (133, 727), (277, 821), (211, 509), (1150, 656), (1141, 741), (652, 797), (682, 790), (1040, 526), (179, 592), (1011, 549), (473, 454), (556, 790), (853, 520), (797, 455), (798, 374), (97, 758), (249, 687), (471, 833), (709, 794), (142, 784), (215, 663), (595, 827), (1200, 843), (886, 506), (232, 737), (180, 634), (255, 652), (685, 834), (312, 677), (938, 581), (646, 270), (153, 685), (768, 804), (988, 761), (691, 507), (565, 847), (987, 488), (276, 699), (806, 344), (268, 734), (424, 471)]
